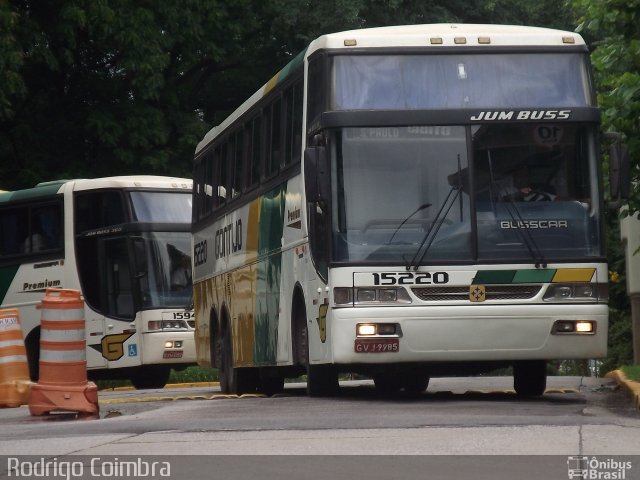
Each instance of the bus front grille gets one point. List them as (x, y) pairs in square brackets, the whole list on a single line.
[(493, 292)]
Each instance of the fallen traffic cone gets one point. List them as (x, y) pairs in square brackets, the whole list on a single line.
[(14, 369), (63, 386)]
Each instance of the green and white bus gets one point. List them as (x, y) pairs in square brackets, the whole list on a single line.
[(125, 244), (371, 209)]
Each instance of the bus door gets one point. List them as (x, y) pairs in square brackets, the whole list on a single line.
[(120, 342)]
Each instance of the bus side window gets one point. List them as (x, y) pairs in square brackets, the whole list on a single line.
[(14, 222), (254, 152), (98, 209), (274, 152), (293, 123), (237, 163), (220, 175), (46, 222)]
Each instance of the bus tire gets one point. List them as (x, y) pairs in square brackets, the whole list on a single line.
[(271, 383), (530, 377), (322, 380), (32, 345), (387, 384), (415, 385), (150, 376), (233, 380)]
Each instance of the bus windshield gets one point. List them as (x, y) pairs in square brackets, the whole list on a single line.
[(411, 195), (162, 207), (165, 272), (401, 82)]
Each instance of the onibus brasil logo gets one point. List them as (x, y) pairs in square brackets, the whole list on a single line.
[(594, 468)]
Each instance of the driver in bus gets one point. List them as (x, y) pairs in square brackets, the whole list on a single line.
[(180, 269), (524, 190)]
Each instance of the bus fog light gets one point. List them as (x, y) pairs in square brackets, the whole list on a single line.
[(575, 327), (387, 295), (564, 326), (168, 344), (342, 296), (365, 329), (154, 325), (177, 344), (386, 329), (366, 295), (584, 327)]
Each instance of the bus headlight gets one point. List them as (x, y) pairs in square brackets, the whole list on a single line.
[(577, 292), (370, 329), (154, 325), (584, 327), (370, 295)]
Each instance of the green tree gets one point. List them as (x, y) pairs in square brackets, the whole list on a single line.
[(612, 27), (104, 87), (97, 87)]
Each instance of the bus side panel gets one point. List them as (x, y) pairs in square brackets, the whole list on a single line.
[(296, 266), (23, 287)]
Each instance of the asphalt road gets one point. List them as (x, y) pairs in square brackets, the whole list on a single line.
[(475, 426)]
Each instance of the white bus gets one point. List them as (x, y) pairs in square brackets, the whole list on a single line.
[(408, 243), (124, 243)]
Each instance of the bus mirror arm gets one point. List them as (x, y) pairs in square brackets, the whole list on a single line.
[(140, 257), (619, 169), (316, 174)]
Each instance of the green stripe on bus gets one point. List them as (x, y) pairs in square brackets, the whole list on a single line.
[(7, 274), (494, 276), (268, 276), (486, 277), (291, 66), (45, 190), (544, 275)]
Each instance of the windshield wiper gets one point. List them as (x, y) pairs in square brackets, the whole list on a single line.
[(525, 234), (449, 200), (420, 208)]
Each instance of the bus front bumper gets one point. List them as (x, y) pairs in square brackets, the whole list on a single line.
[(168, 347), (461, 333)]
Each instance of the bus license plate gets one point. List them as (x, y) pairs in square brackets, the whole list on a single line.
[(377, 345), (172, 354)]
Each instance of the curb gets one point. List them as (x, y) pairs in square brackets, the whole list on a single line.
[(631, 386), (168, 385)]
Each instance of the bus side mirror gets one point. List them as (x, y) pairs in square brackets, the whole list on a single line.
[(139, 257), (316, 174), (619, 168)]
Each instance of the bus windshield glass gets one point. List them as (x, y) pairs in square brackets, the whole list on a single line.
[(411, 195), (164, 274), (401, 82), (161, 207)]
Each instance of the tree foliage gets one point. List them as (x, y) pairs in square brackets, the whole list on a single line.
[(101, 87), (612, 27)]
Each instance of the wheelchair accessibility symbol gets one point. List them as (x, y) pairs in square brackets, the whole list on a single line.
[(133, 350)]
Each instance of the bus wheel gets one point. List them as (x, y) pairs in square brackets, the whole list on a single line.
[(387, 384), (322, 381), (271, 383), (530, 378), (32, 345), (234, 381), (415, 385), (150, 376)]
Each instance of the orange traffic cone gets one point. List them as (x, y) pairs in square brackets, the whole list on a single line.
[(63, 386), (14, 370)]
